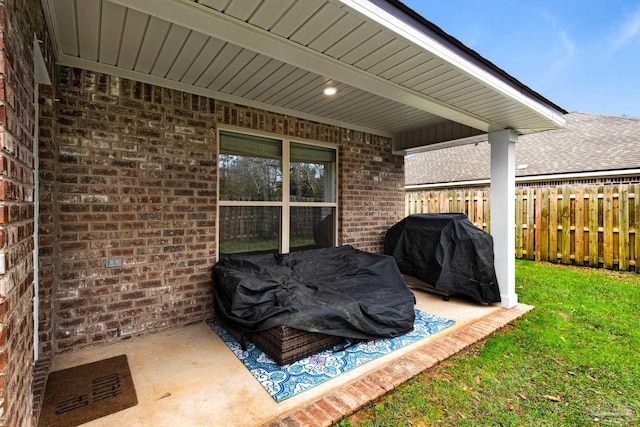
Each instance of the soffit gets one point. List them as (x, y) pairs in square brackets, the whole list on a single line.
[(279, 54)]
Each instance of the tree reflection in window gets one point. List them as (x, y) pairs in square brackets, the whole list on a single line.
[(250, 168), (311, 171), (254, 179)]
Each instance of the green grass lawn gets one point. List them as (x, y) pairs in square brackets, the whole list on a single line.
[(573, 361)]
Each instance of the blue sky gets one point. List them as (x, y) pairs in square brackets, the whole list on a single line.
[(582, 55)]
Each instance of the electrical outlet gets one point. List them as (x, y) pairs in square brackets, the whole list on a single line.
[(114, 262)]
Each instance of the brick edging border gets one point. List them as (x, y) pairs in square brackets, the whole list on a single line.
[(351, 397)]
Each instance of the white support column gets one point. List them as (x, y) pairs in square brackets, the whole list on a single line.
[(502, 202)]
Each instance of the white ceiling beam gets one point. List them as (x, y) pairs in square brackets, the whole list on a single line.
[(215, 24)]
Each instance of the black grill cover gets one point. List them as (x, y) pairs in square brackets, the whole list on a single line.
[(336, 291), (448, 252)]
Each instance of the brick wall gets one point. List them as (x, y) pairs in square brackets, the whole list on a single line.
[(135, 179), (371, 182), (136, 182), (17, 142)]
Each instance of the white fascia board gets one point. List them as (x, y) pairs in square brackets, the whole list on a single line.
[(448, 184), (580, 175), (532, 178), (476, 139), (210, 22), (72, 61), (424, 41)]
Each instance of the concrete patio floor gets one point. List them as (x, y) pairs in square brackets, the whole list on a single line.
[(187, 376)]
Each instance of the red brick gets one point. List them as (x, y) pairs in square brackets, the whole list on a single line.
[(320, 416), (375, 389), (289, 421), (3, 359), (339, 404), (303, 419), (396, 378), (382, 379), (424, 357), (356, 392), (348, 399), (329, 409), (4, 215), (364, 390), (4, 308)]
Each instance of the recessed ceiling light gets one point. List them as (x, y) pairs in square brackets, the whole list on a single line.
[(330, 91)]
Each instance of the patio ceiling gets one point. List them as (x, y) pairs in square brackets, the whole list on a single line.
[(394, 71)]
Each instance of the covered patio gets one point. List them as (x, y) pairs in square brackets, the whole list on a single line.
[(112, 114), (389, 72), (201, 382)]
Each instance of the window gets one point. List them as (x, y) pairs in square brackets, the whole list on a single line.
[(275, 195)]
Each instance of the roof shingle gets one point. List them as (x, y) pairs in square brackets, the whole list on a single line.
[(588, 143)]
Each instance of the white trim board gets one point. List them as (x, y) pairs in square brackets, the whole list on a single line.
[(532, 178)]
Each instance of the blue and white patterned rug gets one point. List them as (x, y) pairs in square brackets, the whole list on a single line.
[(282, 382)]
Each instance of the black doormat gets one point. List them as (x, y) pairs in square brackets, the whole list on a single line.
[(83, 393)]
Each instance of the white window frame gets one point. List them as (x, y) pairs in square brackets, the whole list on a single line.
[(286, 204)]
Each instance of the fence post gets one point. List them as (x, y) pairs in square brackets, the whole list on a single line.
[(519, 203), (566, 225), (623, 227), (537, 222), (544, 225), (608, 226), (553, 225), (579, 227), (593, 227), (479, 197), (530, 224), (470, 206), (636, 224)]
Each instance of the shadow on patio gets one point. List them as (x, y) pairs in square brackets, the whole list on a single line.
[(188, 376)]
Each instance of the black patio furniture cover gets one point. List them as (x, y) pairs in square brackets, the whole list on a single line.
[(336, 291), (446, 251)]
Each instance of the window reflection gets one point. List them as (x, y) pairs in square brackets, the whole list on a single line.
[(249, 229), (312, 227), (250, 168)]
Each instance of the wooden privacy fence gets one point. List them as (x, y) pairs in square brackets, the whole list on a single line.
[(592, 225)]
